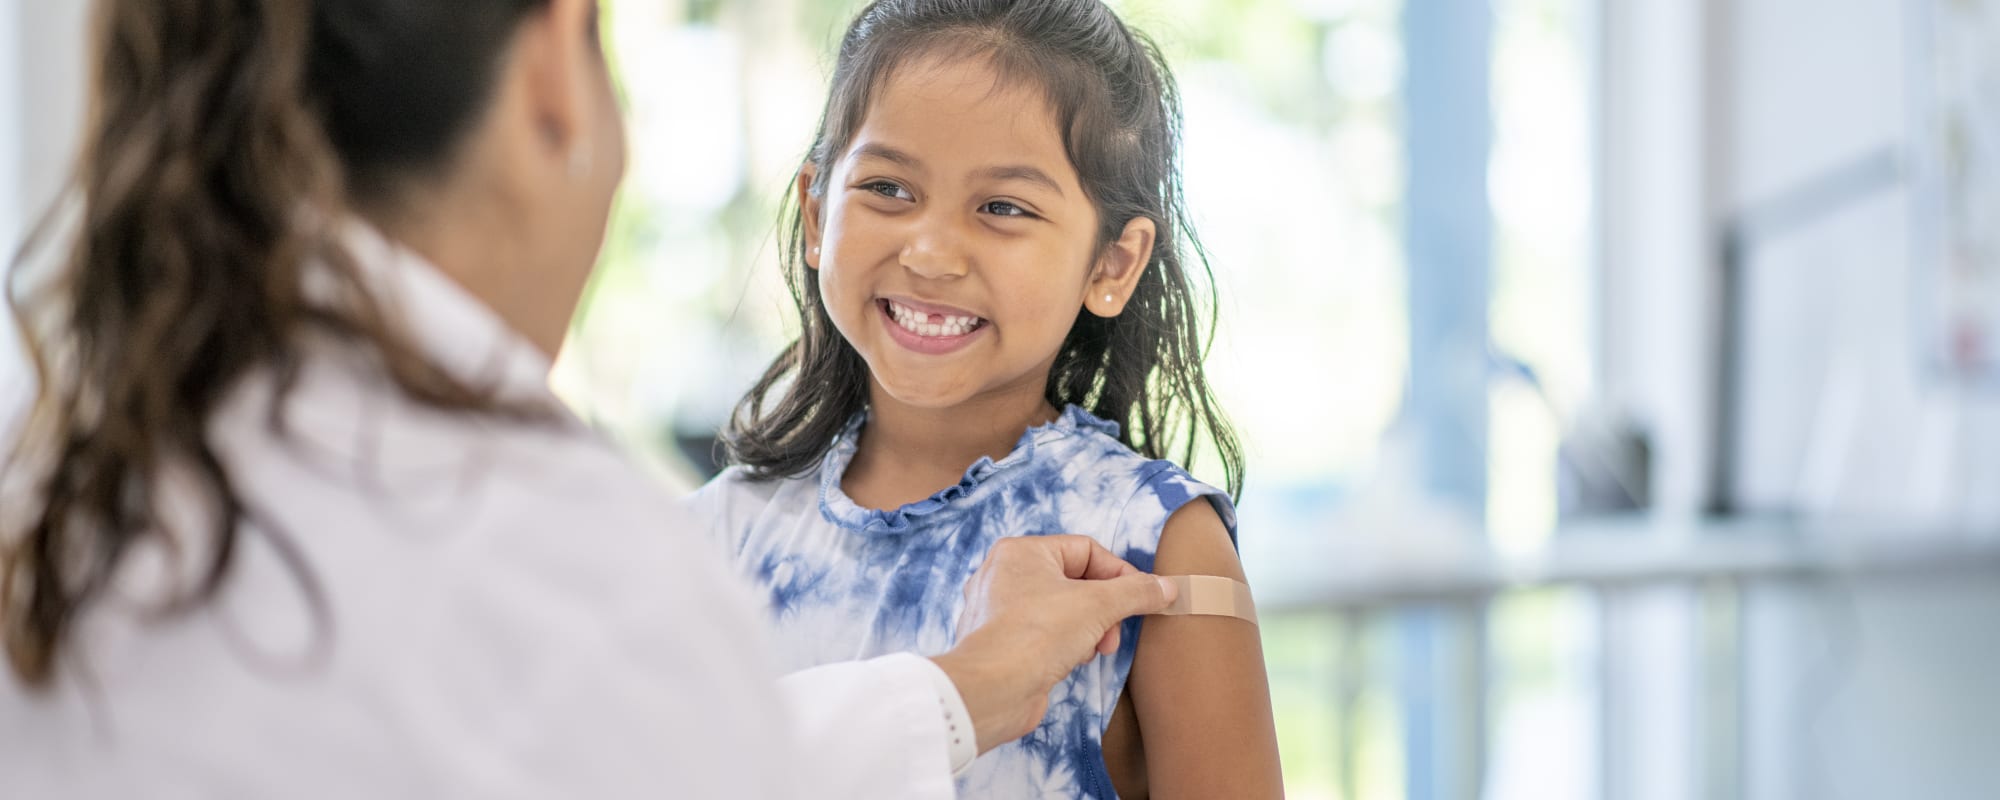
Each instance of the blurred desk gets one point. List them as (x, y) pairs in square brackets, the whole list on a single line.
[(1616, 554), (1434, 599)]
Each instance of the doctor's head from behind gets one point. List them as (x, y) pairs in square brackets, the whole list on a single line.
[(228, 142)]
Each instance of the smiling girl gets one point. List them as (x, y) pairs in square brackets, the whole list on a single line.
[(999, 338)]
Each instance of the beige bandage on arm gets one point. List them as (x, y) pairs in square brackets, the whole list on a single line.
[(1211, 595)]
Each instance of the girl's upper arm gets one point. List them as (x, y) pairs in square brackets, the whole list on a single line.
[(1198, 683)]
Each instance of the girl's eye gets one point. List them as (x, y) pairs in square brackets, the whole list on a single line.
[(887, 189), (1002, 208)]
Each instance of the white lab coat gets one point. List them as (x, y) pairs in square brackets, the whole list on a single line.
[(511, 611)]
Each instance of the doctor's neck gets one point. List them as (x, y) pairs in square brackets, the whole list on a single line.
[(472, 243), (516, 213)]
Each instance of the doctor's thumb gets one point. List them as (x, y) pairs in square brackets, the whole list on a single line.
[(1134, 595)]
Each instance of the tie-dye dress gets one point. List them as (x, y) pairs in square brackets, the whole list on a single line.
[(847, 582)]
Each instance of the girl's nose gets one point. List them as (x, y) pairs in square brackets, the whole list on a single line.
[(935, 254)]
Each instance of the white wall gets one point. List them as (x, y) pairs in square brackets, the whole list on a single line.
[(1841, 415), (1859, 690), (1881, 689), (13, 371), (10, 126), (1657, 282), (1657, 290), (42, 60), (53, 58)]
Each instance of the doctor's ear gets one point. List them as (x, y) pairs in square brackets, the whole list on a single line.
[(810, 209), (1119, 268), (560, 61)]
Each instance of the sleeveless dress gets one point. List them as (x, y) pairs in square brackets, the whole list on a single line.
[(846, 582)]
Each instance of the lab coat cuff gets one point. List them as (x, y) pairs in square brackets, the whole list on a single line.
[(873, 728), (961, 742)]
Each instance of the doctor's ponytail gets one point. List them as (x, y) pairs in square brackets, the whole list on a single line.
[(224, 138)]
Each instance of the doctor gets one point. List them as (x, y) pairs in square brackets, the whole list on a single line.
[(297, 515)]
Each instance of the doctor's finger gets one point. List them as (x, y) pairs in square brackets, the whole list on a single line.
[(1082, 557), (1130, 596)]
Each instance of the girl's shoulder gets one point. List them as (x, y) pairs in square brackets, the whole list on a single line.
[(739, 482), (1163, 488), (1088, 462), (735, 500)]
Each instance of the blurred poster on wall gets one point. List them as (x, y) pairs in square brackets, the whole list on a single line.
[(1956, 74)]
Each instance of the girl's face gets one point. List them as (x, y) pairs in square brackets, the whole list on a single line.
[(954, 244)]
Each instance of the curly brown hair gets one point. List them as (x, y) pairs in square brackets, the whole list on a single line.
[(214, 124)]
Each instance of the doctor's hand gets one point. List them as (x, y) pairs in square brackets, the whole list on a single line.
[(1039, 607)]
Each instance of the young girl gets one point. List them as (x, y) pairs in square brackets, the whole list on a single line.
[(988, 259)]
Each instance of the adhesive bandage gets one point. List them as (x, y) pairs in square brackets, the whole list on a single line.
[(1211, 595)]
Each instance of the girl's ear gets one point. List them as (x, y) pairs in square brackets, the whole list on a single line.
[(810, 209), (1119, 267)]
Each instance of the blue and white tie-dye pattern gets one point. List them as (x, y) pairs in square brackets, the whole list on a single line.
[(846, 582)]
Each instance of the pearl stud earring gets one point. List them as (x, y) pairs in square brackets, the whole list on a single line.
[(1110, 299)]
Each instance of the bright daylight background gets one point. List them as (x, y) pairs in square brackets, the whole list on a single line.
[(1618, 376), (1295, 169)]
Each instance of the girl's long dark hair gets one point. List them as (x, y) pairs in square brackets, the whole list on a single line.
[(1119, 110), (224, 137)]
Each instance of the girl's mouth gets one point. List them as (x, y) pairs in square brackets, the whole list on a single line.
[(928, 332)]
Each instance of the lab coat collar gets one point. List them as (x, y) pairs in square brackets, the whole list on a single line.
[(446, 323)]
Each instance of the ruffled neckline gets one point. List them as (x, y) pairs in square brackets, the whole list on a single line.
[(841, 510)]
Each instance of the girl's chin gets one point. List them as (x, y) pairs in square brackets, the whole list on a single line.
[(918, 385), (924, 395)]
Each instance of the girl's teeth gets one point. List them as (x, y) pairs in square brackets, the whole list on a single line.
[(920, 323)]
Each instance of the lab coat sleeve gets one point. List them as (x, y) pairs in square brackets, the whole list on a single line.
[(871, 729)]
